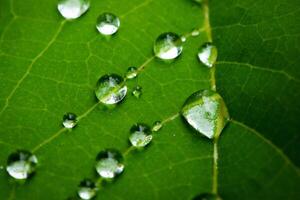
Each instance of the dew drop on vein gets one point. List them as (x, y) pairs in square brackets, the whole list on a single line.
[(157, 125), (111, 89), (207, 196), (207, 54), (72, 9), (69, 120), (87, 189), (168, 46), (21, 164), (131, 73), (206, 112), (108, 24), (137, 91), (109, 163), (140, 135)]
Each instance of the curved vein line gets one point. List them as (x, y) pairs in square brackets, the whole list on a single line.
[(270, 143), (30, 67), (290, 77)]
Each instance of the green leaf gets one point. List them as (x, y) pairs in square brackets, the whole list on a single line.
[(49, 66)]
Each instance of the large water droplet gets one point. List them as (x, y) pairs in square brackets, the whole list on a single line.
[(69, 120), (72, 9), (168, 46), (132, 72), (21, 164), (140, 135), (157, 126), (207, 196), (109, 163), (137, 91), (206, 112), (208, 54), (108, 24), (111, 89), (87, 189)]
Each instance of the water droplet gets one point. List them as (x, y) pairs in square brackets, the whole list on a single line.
[(132, 72), (157, 126), (21, 164), (183, 38), (72, 9), (206, 112), (137, 91), (87, 189), (195, 32), (111, 89), (168, 46), (140, 135), (207, 196), (109, 163), (208, 54), (69, 120), (108, 24)]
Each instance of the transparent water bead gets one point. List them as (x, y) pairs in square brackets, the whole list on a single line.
[(21, 164), (111, 89), (132, 73), (87, 189), (108, 24), (140, 135), (168, 46), (207, 196), (69, 120), (206, 112), (157, 126), (72, 9), (208, 54), (109, 163), (137, 91)]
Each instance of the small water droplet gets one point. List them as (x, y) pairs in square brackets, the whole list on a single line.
[(157, 126), (111, 89), (168, 46), (208, 54), (195, 32), (137, 91), (109, 163), (87, 189), (21, 164), (140, 135), (207, 196), (69, 120), (132, 72), (108, 24), (72, 9), (206, 112), (183, 38)]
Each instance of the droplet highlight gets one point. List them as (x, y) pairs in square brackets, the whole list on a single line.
[(132, 73), (72, 9), (207, 196), (21, 164), (157, 126), (109, 163), (69, 120), (108, 24), (87, 189), (111, 89), (137, 91), (168, 46), (207, 54), (206, 112), (140, 135)]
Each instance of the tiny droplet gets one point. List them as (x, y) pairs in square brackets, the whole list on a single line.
[(87, 189), (137, 91), (21, 164), (157, 126), (168, 46), (206, 112), (208, 54), (108, 24), (72, 9), (140, 135), (69, 120), (111, 89), (109, 163), (132, 73)]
